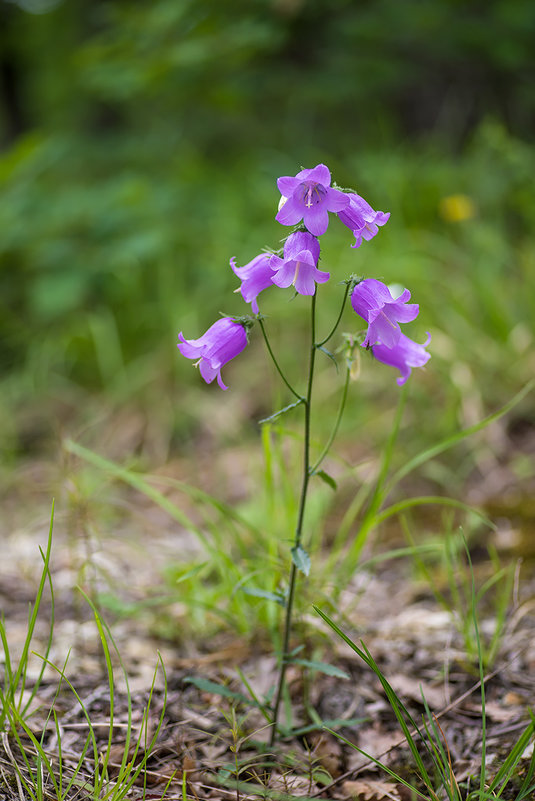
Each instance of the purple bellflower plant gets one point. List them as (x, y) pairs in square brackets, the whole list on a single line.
[(373, 301), (405, 355), (221, 343), (255, 276), (359, 216), (298, 266), (309, 197)]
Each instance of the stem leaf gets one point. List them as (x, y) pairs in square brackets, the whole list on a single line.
[(322, 667), (207, 686), (257, 592), (328, 353), (301, 559), (327, 479), (275, 415)]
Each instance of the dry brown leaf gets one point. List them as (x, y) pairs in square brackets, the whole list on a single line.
[(237, 651), (413, 688), (494, 711), (290, 783), (328, 751), (371, 790), (379, 743), (514, 699)]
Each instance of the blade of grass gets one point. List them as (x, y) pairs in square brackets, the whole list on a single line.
[(19, 679), (449, 442), (381, 765), (398, 708)]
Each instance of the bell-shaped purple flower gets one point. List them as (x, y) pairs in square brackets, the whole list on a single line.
[(405, 355), (298, 265), (373, 301), (255, 276), (361, 218), (309, 197), (221, 343)]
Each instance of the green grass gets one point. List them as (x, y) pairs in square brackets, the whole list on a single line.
[(427, 742), (37, 771), (239, 580)]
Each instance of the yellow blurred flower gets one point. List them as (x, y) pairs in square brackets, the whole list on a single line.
[(457, 208)]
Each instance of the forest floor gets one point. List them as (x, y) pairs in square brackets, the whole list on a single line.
[(207, 740)]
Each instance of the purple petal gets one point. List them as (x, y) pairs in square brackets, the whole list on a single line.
[(222, 342), (255, 277), (276, 263), (229, 346), (336, 200), (320, 277), (369, 231), (285, 275), (207, 371), (316, 219), (300, 241), (382, 217), (319, 174), (361, 218), (304, 279), (287, 184), (220, 381), (360, 206), (373, 301), (407, 312), (369, 294), (187, 347), (251, 268), (405, 355), (382, 330), (358, 239), (290, 213)]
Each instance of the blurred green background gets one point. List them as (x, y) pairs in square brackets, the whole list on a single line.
[(140, 146)]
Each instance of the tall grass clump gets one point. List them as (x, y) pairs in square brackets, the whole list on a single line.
[(16, 698), (428, 743), (40, 771)]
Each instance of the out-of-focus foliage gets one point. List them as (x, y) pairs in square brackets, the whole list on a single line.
[(141, 142)]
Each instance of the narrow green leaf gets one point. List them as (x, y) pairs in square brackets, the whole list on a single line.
[(301, 559), (326, 478), (337, 723), (275, 415), (208, 686), (328, 353), (383, 766), (449, 442), (321, 667), (256, 592)]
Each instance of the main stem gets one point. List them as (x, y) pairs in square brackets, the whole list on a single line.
[(298, 529)]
